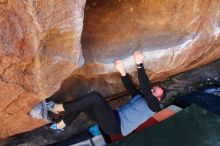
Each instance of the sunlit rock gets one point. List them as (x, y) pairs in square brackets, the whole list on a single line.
[(39, 47)]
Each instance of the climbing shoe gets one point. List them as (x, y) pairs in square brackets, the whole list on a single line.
[(50, 107), (54, 127)]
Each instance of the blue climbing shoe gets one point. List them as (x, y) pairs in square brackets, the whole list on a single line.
[(54, 127), (50, 107)]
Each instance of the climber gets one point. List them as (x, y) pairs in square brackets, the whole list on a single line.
[(123, 120)]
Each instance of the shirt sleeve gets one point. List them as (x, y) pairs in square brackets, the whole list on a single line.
[(152, 101), (129, 85)]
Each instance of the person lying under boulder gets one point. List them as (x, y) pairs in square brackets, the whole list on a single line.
[(143, 104)]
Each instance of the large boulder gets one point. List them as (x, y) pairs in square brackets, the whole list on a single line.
[(39, 48), (174, 35)]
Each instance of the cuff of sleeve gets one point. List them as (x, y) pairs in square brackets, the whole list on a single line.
[(141, 65), (124, 76)]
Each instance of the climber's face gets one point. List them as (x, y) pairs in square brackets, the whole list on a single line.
[(158, 92)]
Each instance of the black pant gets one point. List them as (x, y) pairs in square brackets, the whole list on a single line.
[(97, 108)]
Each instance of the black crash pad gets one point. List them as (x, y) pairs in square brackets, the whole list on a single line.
[(194, 126)]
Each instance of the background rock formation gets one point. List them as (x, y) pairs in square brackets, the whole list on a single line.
[(40, 46)]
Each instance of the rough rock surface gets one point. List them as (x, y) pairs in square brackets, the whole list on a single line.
[(178, 85), (39, 47), (174, 35)]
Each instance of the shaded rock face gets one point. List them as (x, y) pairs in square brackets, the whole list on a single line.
[(175, 36), (39, 47), (125, 26)]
